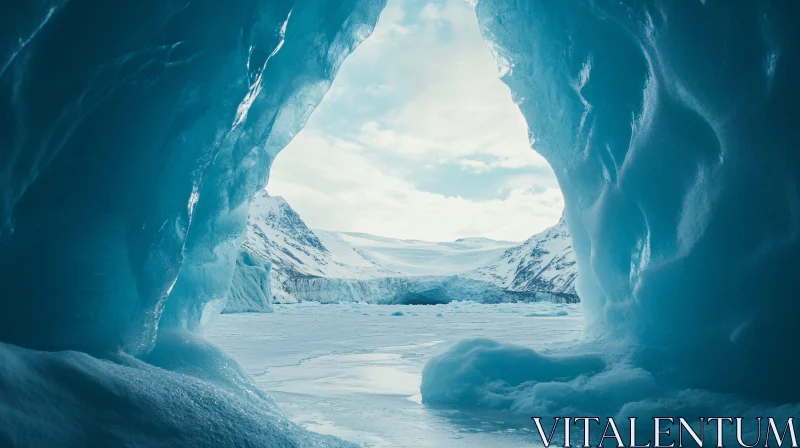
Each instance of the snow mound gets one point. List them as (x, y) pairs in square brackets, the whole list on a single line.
[(481, 373), (188, 394)]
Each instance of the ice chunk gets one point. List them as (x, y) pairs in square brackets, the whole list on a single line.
[(481, 373), (553, 314), (250, 288)]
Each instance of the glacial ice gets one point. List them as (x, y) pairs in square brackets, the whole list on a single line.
[(127, 171), (668, 126), (133, 135), (422, 290), (250, 290)]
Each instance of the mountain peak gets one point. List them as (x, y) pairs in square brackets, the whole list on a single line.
[(474, 239)]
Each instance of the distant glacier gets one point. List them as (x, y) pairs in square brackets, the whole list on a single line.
[(284, 261)]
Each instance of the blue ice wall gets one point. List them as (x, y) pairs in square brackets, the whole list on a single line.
[(132, 135), (672, 128)]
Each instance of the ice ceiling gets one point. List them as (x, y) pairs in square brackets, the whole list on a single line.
[(133, 133)]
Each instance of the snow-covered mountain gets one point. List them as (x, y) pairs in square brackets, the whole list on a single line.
[(544, 263), (329, 266), (277, 236), (415, 257)]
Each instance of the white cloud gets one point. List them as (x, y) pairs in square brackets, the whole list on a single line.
[(453, 105), (424, 94), (343, 190), (431, 11), (476, 166)]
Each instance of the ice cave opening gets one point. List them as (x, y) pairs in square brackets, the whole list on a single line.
[(134, 134), (413, 181), (413, 208)]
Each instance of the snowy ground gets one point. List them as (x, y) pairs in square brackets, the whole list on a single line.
[(353, 370), (413, 257)]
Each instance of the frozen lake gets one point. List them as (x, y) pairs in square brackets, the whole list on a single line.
[(354, 370)]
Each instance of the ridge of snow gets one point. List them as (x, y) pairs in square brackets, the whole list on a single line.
[(415, 257), (545, 262)]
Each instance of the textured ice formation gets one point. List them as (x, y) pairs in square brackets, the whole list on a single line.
[(419, 290), (668, 125), (250, 290), (133, 135), (670, 128)]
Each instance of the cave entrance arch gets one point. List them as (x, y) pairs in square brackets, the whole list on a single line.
[(417, 139), (407, 186)]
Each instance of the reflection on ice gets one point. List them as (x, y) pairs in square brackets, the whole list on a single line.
[(354, 371)]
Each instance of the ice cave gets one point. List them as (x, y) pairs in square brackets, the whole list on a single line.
[(134, 135)]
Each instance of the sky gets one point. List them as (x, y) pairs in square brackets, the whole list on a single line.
[(419, 139)]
